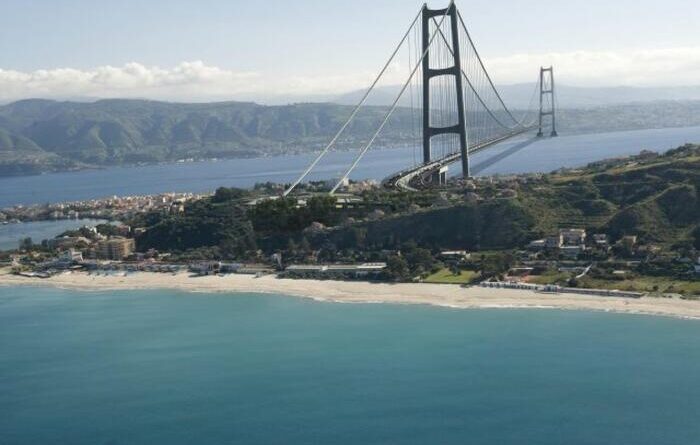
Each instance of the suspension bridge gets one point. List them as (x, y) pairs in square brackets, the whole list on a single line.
[(453, 105)]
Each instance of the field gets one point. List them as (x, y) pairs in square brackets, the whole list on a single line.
[(647, 284), (445, 276), (550, 277)]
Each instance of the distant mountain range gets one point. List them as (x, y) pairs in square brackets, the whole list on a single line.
[(516, 96), (520, 96), (44, 135)]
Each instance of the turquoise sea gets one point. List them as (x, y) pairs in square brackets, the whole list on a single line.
[(163, 367)]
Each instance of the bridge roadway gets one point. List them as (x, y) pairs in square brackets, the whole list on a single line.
[(415, 177)]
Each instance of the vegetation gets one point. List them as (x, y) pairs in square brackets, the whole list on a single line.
[(447, 276), (651, 284), (284, 215), (218, 223), (42, 135), (651, 197)]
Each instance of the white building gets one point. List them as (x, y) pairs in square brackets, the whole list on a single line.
[(573, 237), (356, 270), (455, 255), (71, 255)]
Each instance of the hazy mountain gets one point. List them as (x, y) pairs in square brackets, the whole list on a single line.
[(520, 96), (109, 132), (44, 135), (583, 97)]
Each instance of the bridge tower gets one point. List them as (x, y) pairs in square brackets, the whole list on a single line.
[(547, 91), (428, 73)]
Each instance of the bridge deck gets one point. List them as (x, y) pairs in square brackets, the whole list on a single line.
[(406, 179)]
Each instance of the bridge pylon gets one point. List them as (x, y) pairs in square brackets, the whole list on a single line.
[(547, 91), (456, 79), (455, 70)]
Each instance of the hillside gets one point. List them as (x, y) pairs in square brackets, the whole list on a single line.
[(42, 135), (109, 132), (654, 197)]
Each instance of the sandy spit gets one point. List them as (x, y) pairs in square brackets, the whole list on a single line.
[(445, 295)]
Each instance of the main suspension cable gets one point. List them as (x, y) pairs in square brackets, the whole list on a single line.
[(355, 111), (393, 105), (481, 63), (476, 93)]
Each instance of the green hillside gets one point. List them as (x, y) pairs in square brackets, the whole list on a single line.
[(45, 135), (109, 132), (654, 197)]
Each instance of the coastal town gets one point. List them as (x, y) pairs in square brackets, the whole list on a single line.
[(569, 253), (577, 231), (114, 208), (559, 262)]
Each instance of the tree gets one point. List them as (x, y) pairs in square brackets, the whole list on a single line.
[(419, 260), (304, 246), (104, 229), (397, 268), (292, 247), (496, 264), (696, 237), (357, 237), (224, 194)]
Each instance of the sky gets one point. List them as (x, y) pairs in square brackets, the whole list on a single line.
[(231, 49)]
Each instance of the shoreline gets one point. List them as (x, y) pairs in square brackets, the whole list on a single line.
[(441, 295)]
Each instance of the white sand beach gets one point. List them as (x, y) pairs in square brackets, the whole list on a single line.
[(445, 295)]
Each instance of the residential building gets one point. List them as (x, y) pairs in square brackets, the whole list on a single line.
[(69, 242), (205, 267), (573, 237), (537, 244), (571, 252), (115, 248), (122, 229), (358, 269), (352, 270), (600, 240), (455, 255), (71, 255), (629, 241), (554, 242)]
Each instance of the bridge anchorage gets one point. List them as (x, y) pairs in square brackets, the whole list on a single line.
[(447, 106)]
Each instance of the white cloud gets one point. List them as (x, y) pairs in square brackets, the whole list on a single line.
[(186, 81), (196, 81), (649, 67)]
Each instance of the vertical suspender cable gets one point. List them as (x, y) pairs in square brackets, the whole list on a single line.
[(391, 110), (354, 112), (413, 115), (481, 63)]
